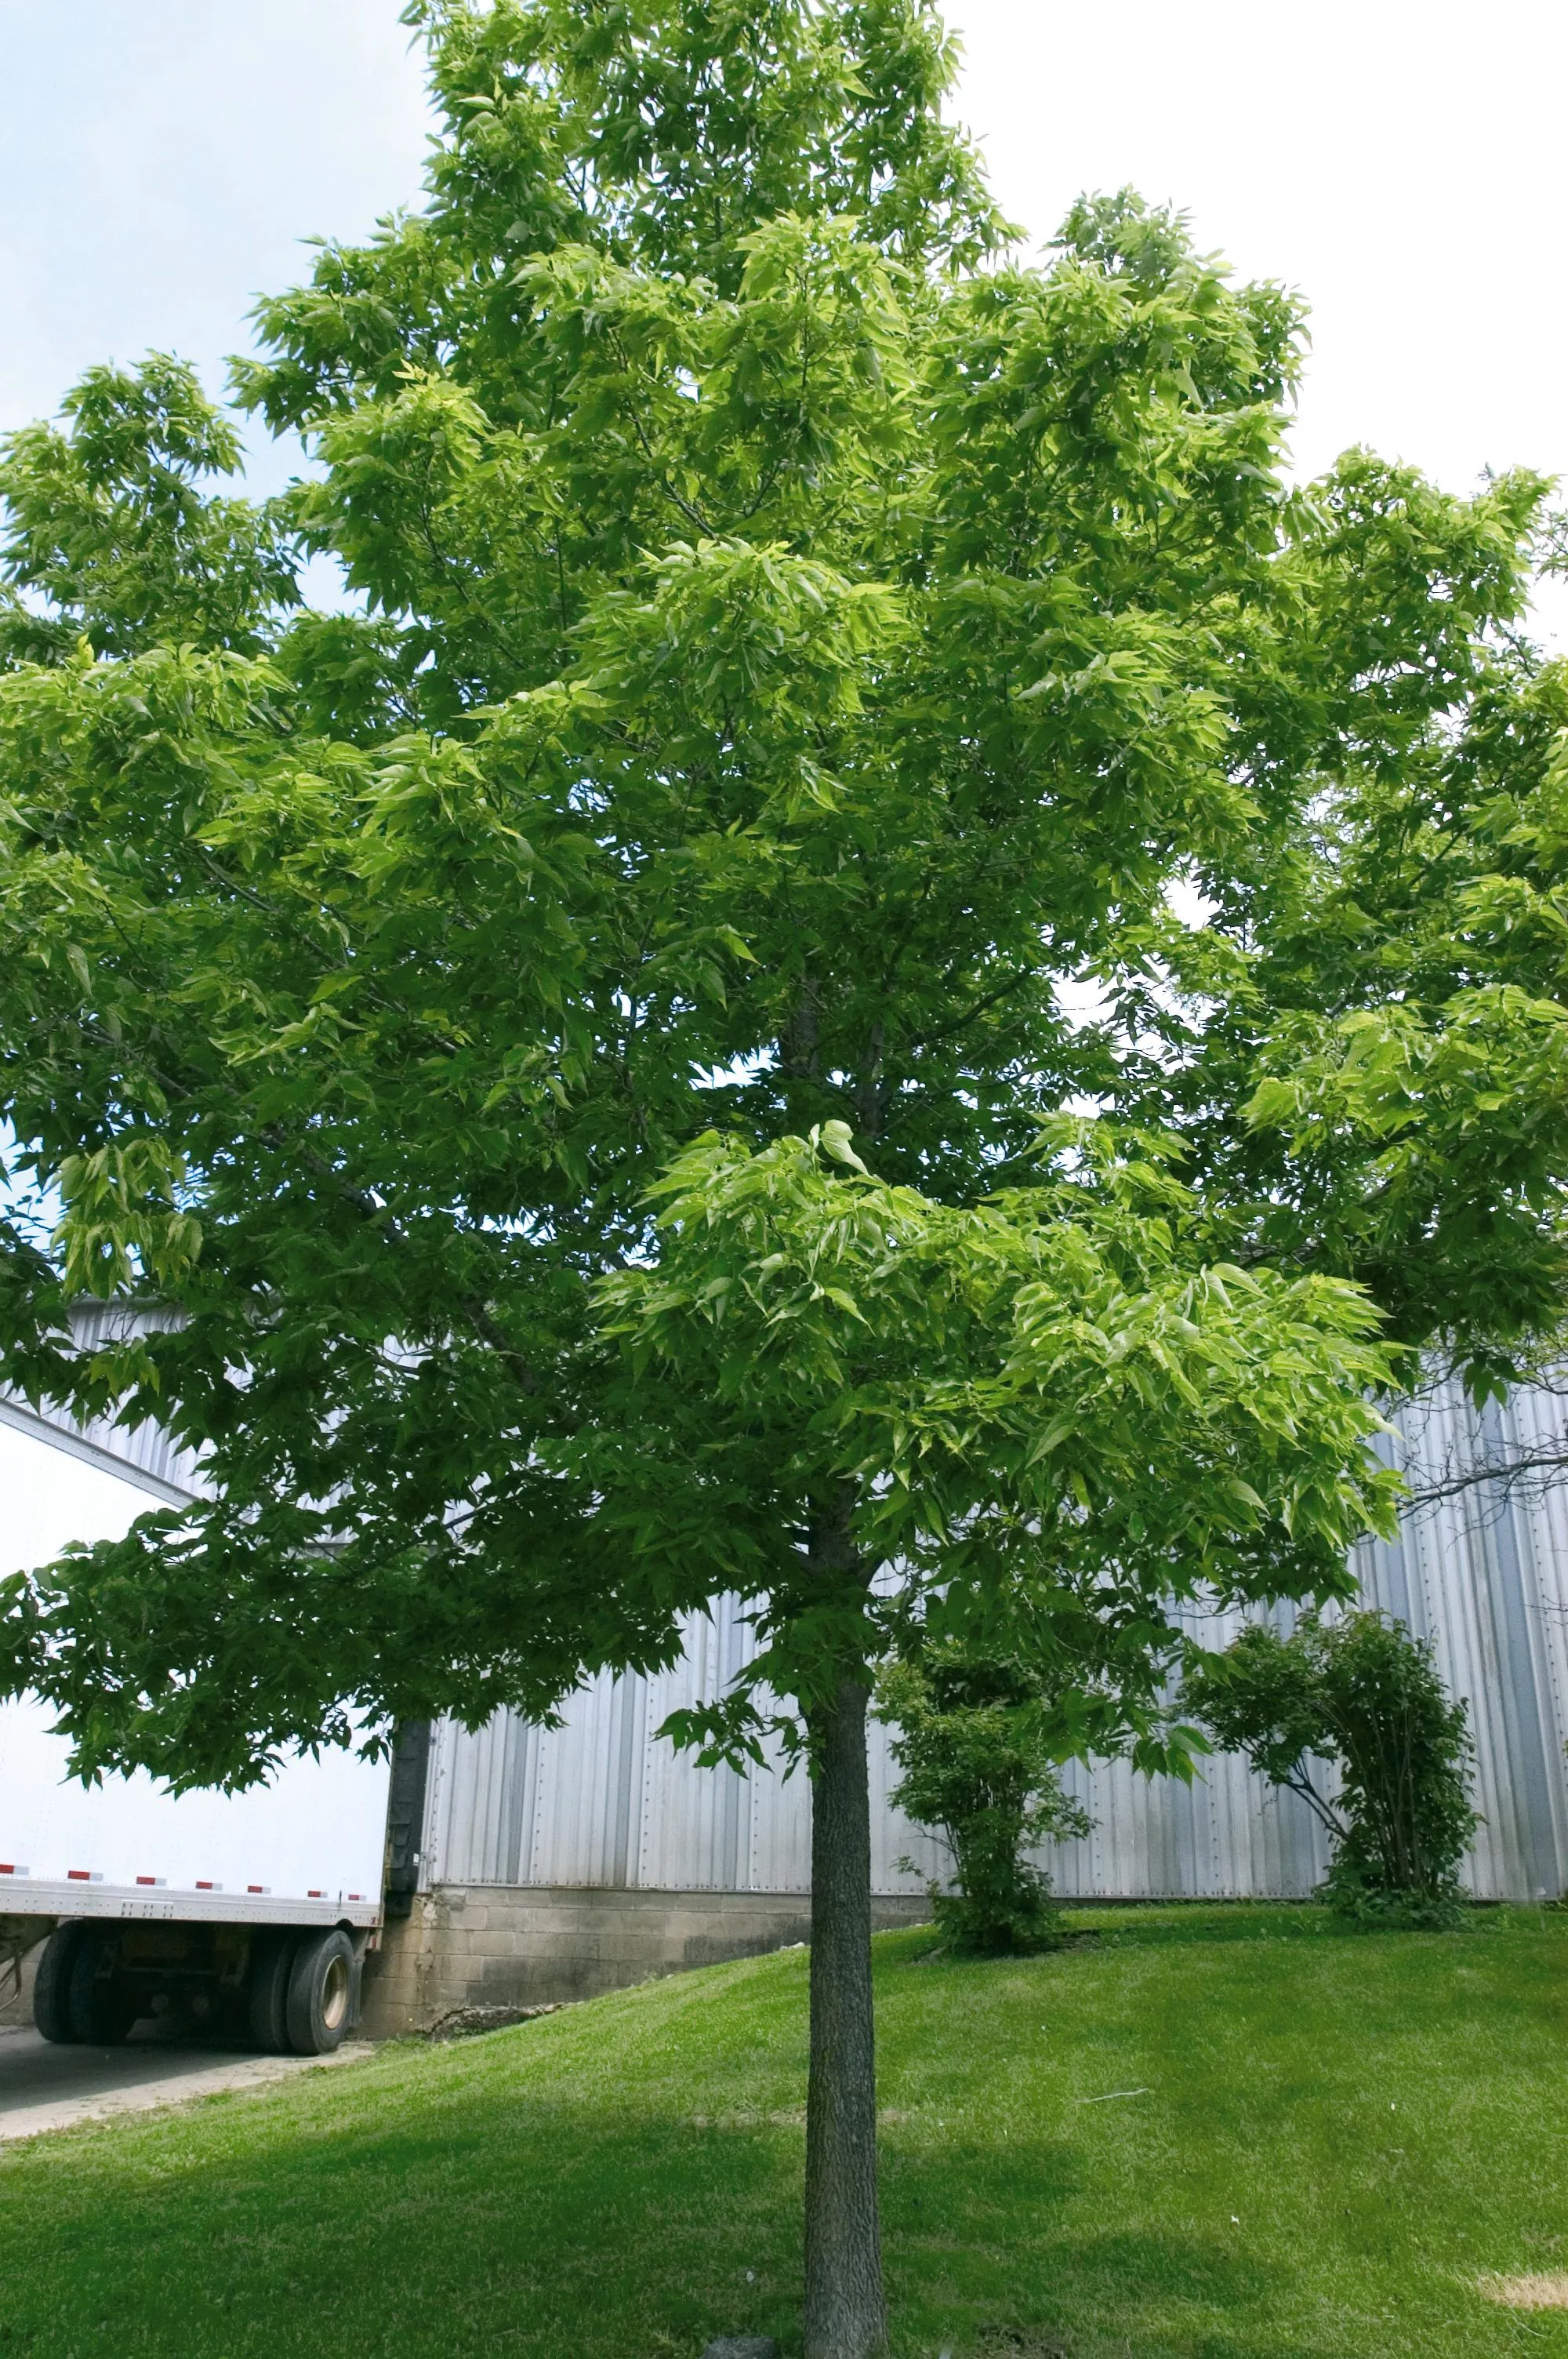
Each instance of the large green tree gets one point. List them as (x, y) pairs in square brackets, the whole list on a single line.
[(831, 699)]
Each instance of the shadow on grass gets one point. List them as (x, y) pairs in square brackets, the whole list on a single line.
[(978, 2250), (1136, 2296), (524, 2232), (518, 2233)]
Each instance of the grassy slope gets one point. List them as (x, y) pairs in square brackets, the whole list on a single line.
[(1339, 2133)]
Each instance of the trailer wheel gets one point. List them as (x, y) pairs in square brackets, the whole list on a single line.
[(321, 1993), (266, 1989), (101, 2007), (52, 1990)]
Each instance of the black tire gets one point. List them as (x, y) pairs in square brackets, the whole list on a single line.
[(266, 1989), (52, 1990), (321, 1993), (102, 2009)]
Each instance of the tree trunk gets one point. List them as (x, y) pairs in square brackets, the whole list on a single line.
[(846, 2317)]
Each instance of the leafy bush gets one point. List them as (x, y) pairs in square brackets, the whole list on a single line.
[(972, 1744), (1360, 1692)]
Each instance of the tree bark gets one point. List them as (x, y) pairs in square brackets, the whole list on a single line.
[(846, 2317)]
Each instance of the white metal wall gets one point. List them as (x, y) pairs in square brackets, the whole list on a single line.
[(1484, 1575), (603, 1800)]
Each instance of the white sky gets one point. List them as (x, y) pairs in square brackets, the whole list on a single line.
[(1399, 160)]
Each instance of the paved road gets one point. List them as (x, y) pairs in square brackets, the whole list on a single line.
[(45, 2088)]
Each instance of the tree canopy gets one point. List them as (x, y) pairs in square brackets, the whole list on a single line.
[(870, 943), (815, 663)]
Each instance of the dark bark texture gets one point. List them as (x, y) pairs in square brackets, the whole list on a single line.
[(846, 2317)]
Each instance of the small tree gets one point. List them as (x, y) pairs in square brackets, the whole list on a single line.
[(805, 645), (1036, 1409), (975, 1743), (1362, 1694)]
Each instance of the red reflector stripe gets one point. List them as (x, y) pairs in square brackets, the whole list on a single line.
[(79, 1875), (315, 1896), (255, 1887), (146, 1879), (204, 1888)]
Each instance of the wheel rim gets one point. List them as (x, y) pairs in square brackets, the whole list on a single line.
[(335, 1992)]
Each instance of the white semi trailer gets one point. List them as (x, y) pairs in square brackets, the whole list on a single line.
[(245, 1915)]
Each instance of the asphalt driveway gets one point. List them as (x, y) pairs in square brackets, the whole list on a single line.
[(47, 2088)]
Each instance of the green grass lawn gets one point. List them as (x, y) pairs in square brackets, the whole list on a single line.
[(1334, 2135)]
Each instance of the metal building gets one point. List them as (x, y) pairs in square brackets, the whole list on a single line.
[(147, 1457), (604, 1804), (1481, 1572)]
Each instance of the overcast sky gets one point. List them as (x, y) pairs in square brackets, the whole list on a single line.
[(1397, 160)]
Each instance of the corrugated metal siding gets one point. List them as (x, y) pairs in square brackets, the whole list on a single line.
[(1484, 1575), (148, 1452), (603, 1801)]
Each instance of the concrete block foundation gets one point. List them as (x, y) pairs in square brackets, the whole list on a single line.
[(503, 1945)]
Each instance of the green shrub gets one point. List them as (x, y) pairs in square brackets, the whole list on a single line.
[(1361, 1692), (971, 1745)]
